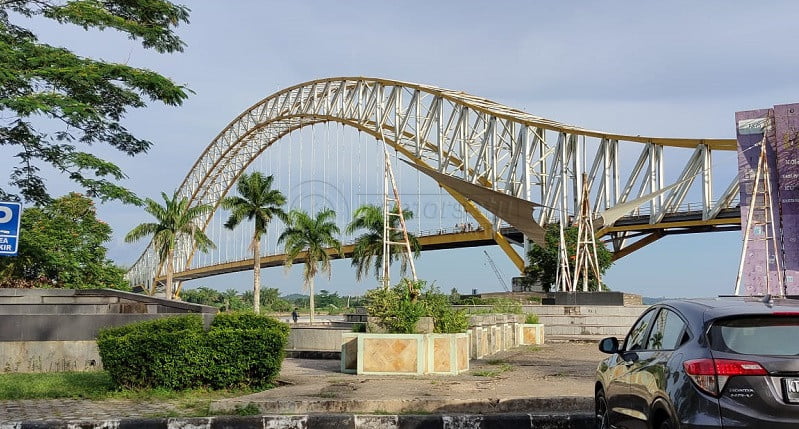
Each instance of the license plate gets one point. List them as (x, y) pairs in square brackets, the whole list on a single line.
[(790, 389)]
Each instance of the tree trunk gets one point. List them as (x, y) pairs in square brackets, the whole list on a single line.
[(310, 287), (256, 275), (169, 269)]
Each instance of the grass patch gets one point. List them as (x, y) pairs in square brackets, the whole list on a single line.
[(493, 372), (78, 385), (247, 410), (98, 386)]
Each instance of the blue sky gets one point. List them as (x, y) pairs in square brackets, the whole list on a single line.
[(677, 69)]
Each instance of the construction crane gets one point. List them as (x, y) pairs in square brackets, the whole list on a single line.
[(496, 271)]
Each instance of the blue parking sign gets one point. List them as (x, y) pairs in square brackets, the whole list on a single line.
[(9, 227)]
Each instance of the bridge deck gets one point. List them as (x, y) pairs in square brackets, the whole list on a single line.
[(676, 223)]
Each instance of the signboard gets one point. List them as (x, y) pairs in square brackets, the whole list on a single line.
[(786, 130), (782, 153), (9, 227)]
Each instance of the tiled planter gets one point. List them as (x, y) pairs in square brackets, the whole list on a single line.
[(531, 333), (404, 354)]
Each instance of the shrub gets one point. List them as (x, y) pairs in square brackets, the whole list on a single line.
[(447, 320), (531, 319), (399, 314), (239, 349), (505, 306), (246, 320), (471, 300)]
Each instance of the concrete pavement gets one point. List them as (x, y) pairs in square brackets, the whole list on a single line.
[(546, 387)]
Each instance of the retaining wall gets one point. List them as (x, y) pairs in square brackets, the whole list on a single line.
[(49, 330)]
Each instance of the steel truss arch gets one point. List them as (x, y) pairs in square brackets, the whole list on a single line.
[(458, 134)]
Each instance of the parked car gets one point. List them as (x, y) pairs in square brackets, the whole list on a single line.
[(730, 362)]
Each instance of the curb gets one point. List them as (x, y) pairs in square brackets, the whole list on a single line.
[(558, 404), (331, 421)]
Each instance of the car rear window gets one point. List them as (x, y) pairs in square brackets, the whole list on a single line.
[(756, 335)]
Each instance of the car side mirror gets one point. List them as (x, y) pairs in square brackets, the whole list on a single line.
[(609, 345)]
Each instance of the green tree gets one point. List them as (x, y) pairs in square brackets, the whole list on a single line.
[(174, 221), (454, 295), (270, 299), (258, 202), (55, 105), (202, 295), (543, 261), (232, 301), (311, 236), (368, 251), (327, 299), (61, 245)]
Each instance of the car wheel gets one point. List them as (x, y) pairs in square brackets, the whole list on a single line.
[(602, 420)]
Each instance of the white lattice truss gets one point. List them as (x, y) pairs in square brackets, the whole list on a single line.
[(458, 134)]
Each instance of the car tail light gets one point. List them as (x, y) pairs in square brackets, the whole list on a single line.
[(711, 375)]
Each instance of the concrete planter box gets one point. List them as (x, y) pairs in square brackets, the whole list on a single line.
[(531, 334), (404, 354)]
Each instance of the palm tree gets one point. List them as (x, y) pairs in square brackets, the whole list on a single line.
[(312, 236), (256, 201), (174, 220), (368, 251)]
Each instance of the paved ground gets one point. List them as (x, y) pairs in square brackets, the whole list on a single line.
[(552, 377)]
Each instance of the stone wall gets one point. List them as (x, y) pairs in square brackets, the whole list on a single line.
[(49, 330)]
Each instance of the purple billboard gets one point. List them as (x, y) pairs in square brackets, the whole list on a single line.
[(772, 255)]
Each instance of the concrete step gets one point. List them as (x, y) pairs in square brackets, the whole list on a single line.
[(575, 338), (19, 309), (601, 330), (578, 310), (587, 320)]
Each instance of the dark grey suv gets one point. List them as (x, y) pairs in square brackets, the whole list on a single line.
[(728, 362)]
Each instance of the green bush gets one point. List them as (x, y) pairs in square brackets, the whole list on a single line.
[(505, 306), (239, 349), (246, 320), (531, 319), (472, 300), (399, 314), (447, 320)]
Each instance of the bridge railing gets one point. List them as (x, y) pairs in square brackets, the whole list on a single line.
[(691, 207)]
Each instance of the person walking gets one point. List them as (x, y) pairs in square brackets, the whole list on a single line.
[(295, 315)]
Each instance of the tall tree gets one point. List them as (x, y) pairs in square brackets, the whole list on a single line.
[(258, 202), (311, 236), (61, 245), (174, 220), (543, 261), (55, 105), (368, 251)]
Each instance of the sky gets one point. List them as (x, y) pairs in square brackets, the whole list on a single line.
[(672, 69)]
